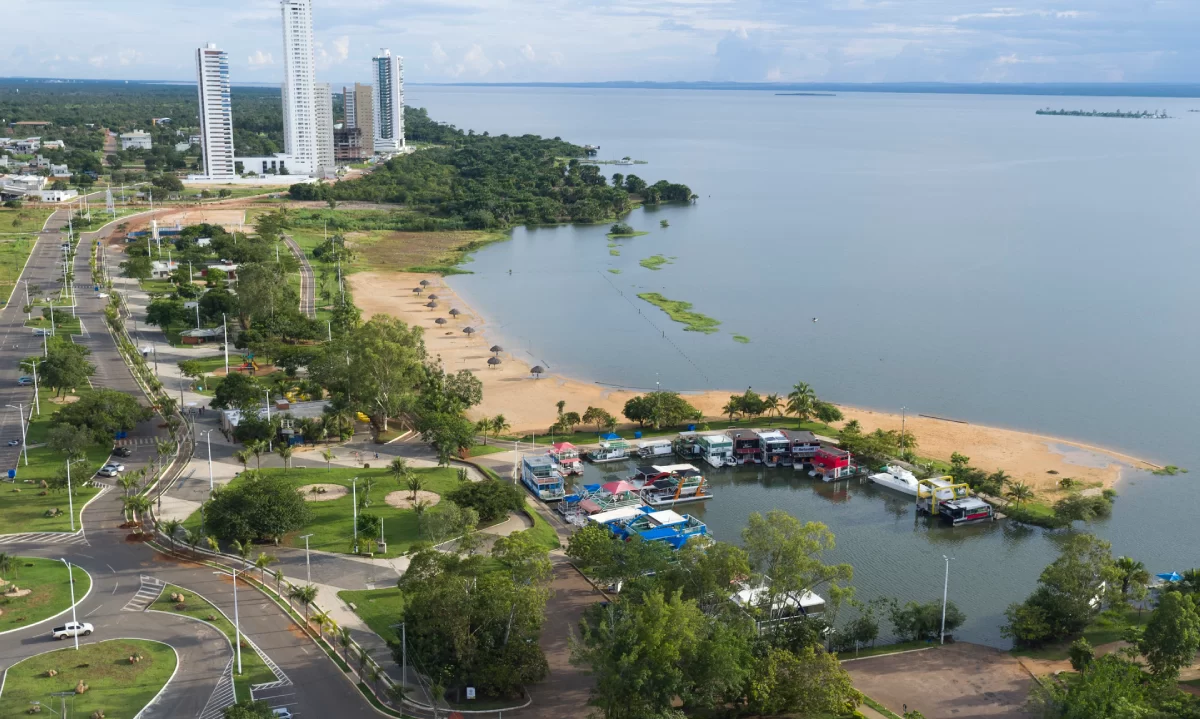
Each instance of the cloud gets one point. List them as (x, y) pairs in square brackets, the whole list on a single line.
[(439, 55), (1009, 12), (341, 48), (673, 25), (129, 56), (261, 58), (528, 53), (97, 60), (475, 62), (741, 57)]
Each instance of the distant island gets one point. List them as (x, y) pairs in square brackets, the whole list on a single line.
[(1142, 115), (805, 94)]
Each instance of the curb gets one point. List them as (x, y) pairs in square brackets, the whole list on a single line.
[(169, 679), (67, 534), (91, 585), (214, 628)]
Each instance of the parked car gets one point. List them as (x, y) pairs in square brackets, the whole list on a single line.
[(122, 452), (282, 713), (71, 629), (107, 471), (115, 466)]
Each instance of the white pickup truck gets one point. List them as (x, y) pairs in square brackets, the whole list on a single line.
[(71, 629)]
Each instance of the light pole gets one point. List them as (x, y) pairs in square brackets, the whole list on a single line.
[(354, 499), (307, 567), (70, 499), (208, 441), (36, 399), (903, 418), (237, 627), (945, 593), (21, 413), (74, 619), (225, 347)]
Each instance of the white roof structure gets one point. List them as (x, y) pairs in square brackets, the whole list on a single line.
[(671, 468), (655, 443), (666, 517), (615, 515), (753, 597)]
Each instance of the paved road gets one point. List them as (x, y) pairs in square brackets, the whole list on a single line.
[(313, 685), (308, 284)]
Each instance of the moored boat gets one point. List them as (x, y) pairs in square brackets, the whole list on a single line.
[(776, 447), (539, 475), (676, 484), (716, 448), (897, 478), (654, 448), (804, 446), (747, 447), (612, 449), (952, 503), (652, 525), (566, 458), (832, 464)]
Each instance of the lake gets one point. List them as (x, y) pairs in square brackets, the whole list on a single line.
[(963, 256)]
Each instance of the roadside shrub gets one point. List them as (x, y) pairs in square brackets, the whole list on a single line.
[(491, 499)]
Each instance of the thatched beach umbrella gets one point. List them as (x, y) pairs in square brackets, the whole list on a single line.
[(496, 349), (433, 297), (493, 361), (469, 331), (440, 320), (424, 283), (431, 304), (418, 290), (537, 371), (455, 313)]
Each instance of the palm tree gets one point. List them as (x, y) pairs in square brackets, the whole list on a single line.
[(730, 409), (419, 508), (398, 468), (328, 456), (772, 405), (376, 675), (483, 426), (169, 528), (213, 545), (243, 456), (257, 447), (127, 482), (7, 563), (306, 595), (343, 638), (242, 549), (500, 425), (322, 619), (1190, 584), (801, 401), (415, 484), (137, 504), (1019, 492), (284, 450), (192, 539), (1133, 573), (263, 561)]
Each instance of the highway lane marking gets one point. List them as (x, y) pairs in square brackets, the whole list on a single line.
[(115, 585), (85, 616), (110, 568)]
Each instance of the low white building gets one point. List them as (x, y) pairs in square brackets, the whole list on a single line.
[(183, 146), (54, 145), (58, 195), (135, 140), (268, 165), (160, 269), (59, 171), (28, 146), (22, 184)]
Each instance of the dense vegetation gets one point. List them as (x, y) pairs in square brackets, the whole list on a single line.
[(480, 181)]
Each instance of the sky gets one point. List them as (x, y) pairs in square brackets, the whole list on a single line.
[(601, 40)]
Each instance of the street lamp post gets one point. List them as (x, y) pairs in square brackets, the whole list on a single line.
[(70, 499), (945, 594), (21, 413), (354, 500), (208, 441), (237, 627), (903, 418), (307, 567), (74, 619)]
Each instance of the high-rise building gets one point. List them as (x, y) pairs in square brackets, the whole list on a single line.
[(216, 111), (388, 109), (323, 109), (359, 104), (300, 121)]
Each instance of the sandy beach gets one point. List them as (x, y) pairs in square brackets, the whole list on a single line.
[(529, 404)]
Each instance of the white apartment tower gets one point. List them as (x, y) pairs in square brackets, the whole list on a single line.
[(300, 121), (388, 110), (323, 107), (216, 111)]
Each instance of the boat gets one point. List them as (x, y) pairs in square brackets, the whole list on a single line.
[(832, 464), (652, 525), (566, 457), (804, 446), (897, 478), (716, 448), (785, 605), (676, 484), (747, 447), (952, 503), (645, 474), (539, 475), (624, 161), (776, 447), (612, 449), (654, 448), (594, 498), (687, 446)]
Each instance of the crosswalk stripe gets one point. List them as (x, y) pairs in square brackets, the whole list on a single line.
[(45, 538), (222, 696), (145, 596)]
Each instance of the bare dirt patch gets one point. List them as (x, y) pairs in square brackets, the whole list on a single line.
[(18, 593), (403, 499), (387, 249), (332, 491)]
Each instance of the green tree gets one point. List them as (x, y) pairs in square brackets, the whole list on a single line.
[(170, 528), (237, 391), (386, 357), (1133, 576), (249, 709), (811, 683), (166, 313), (261, 562), (1111, 686), (786, 554), (1172, 635), (1082, 654), (827, 412), (1019, 492), (500, 425), (68, 440), (491, 499), (800, 401), (1071, 591), (103, 412), (137, 267), (597, 416), (258, 506), (916, 621), (305, 595), (658, 409)]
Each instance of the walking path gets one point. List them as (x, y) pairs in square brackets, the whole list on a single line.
[(308, 285)]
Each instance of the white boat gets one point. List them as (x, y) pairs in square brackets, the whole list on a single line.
[(655, 448), (610, 450), (716, 449), (897, 478)]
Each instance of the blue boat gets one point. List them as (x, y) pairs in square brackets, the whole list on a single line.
[(652, 526), (539, 475)]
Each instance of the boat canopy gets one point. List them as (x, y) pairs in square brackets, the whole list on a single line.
[(666, 517), (655, 443), (684, 469), (610, 437), (616, 515), (562, 446), (589, 488)]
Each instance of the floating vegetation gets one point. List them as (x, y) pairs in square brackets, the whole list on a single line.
[(614, 271), (680, 312), (655, 262), (615, 253), (1169, 471), (741, 338)]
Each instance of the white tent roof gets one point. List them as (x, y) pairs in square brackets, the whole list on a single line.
[(675, 467), (666, 517), (614, 515)]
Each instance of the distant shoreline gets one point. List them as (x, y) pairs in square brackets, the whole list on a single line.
[(805, 94)]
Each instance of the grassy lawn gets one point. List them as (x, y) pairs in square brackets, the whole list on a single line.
[(379, 608), (1109, 627), (13, 253), (542, 531), (157, 286), (254, 669), (591, 437), (115, 686), (236, 190), (212, 364), (24, 510), (29, 218), (62, 318), (50, 592), (481, 450), (332, 523)]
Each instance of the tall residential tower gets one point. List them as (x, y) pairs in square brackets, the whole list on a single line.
[(388, 108), (300, 123), (216, 112), (360, 115), (323, 107)]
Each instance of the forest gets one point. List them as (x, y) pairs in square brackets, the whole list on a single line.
[(482, 181)]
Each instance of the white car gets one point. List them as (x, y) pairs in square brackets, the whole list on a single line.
[(71, 629), (107, 472), (116, 466), (14, 443), (282, 713)]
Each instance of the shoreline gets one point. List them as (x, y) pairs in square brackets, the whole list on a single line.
[(528, 404)]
